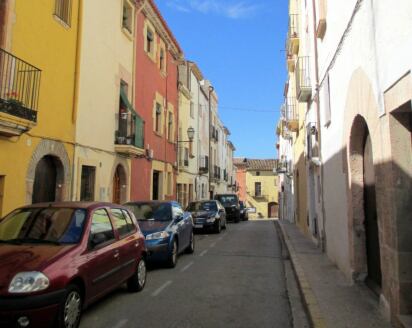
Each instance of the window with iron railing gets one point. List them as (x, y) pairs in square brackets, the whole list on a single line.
[(303, 79), (258, 189), (63, 10), (19, 87)]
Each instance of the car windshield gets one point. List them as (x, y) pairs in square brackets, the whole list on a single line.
[(202, 206), (227, 199), (43, 226), (151, 211)]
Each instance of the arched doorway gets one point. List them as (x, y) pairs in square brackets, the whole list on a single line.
[(119, 185), (46, 188), (365, 219), (273, 210)]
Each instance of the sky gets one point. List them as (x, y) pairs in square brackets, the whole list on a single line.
[(239, 46)]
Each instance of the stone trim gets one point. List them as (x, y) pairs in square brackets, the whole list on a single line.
[(57, 150)]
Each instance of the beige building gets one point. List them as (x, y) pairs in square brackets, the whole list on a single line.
[(108, 130), (261, 186)]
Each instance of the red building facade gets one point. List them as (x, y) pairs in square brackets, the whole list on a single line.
[(156, 100)]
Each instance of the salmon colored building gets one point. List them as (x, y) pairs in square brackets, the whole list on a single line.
[(156, 100), (241, 167)]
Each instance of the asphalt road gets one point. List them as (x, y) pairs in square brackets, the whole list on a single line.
[(234, 279)]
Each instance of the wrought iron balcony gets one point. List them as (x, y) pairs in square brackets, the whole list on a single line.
[(19, 89), (293, 34), (292, 114), (303, 80), (129, 138)]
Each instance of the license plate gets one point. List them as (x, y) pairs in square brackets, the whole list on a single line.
[(198, 225)]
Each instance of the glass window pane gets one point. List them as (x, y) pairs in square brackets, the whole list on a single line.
[(101, 225), (120, 222)]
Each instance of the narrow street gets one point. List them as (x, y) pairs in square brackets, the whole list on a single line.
[(234, 279)]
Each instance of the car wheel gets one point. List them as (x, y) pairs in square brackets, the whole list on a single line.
[(237, 218), (224, 225), (173, 255), (218, 227), (71, 308), (191, 248), (137, 282)]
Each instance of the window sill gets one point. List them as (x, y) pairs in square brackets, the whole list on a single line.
[(61, 22), (151, 56), (129, 35), (158, 134)]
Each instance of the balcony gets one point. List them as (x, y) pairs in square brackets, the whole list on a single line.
[(303, 81), (204, 165), (19, 95), (293, 35), (260, 196), (321, 19), (292, 114), (129, 138), (290, 62)]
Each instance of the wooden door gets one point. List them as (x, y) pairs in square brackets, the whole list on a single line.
[(44, 188), (116, 187), (374, 279)]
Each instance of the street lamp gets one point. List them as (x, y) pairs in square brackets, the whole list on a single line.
[(190, 135)]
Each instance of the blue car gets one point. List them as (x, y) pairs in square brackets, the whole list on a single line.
[(168, 230)]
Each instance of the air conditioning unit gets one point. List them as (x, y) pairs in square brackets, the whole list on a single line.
[(149, 153)]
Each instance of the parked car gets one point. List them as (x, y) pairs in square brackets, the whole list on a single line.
[(57, 258), (167, 228), (231, 204), (208, 214), (244, 215)]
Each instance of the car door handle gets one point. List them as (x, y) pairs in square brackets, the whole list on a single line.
[(116, 254), (136, 244)]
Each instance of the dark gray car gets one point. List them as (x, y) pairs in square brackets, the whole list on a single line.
[(208, 214)]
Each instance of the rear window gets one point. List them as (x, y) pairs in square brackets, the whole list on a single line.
[(227, 199), (202, 206)]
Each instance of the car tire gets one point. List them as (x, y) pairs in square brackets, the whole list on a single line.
[(218, 227), (225, 225), (70, 310), (137, 282), (191, 248), (237, 218), (173, 255)]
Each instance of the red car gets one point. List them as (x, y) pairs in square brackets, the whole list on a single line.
[(56, 259)]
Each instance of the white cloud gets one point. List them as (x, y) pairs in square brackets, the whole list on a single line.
[(234, 9)]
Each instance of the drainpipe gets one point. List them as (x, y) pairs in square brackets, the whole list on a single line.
[(76, 90), (315, 40)]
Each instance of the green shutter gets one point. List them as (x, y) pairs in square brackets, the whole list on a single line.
[(139, 132)]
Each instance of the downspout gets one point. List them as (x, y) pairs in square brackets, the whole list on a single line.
[(211, 88), (76, 90), (317, 101)]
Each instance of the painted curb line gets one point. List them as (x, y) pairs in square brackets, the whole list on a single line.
[(310, 302)]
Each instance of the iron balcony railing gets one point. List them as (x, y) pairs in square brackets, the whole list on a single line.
[(19, 87), (130, 131), (291, 111), (293, 26), (303, 80)]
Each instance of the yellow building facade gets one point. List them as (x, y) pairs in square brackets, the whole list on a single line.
[(262, 188), (37, 87)]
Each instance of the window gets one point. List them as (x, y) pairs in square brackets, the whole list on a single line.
[(162, 60), (87, 183), (127, 21), (186, 158), (101, 231), (122, 224), (62, 9), (258, 189), (149, 40), (192, 110), (258, 173), (158, 118), (170, 127), (169, 184)]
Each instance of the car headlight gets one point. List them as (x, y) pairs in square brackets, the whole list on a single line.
[(158, 235), (28, 282), (212, 217)]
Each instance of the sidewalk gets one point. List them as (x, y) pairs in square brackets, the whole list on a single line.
[(331, 300)]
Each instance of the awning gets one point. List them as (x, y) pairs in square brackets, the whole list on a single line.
[(123, 98)]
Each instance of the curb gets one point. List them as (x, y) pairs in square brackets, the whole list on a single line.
[(310, 302)]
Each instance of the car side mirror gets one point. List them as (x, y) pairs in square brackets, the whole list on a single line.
[(178, 218), (97, 239), (221, 210)]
